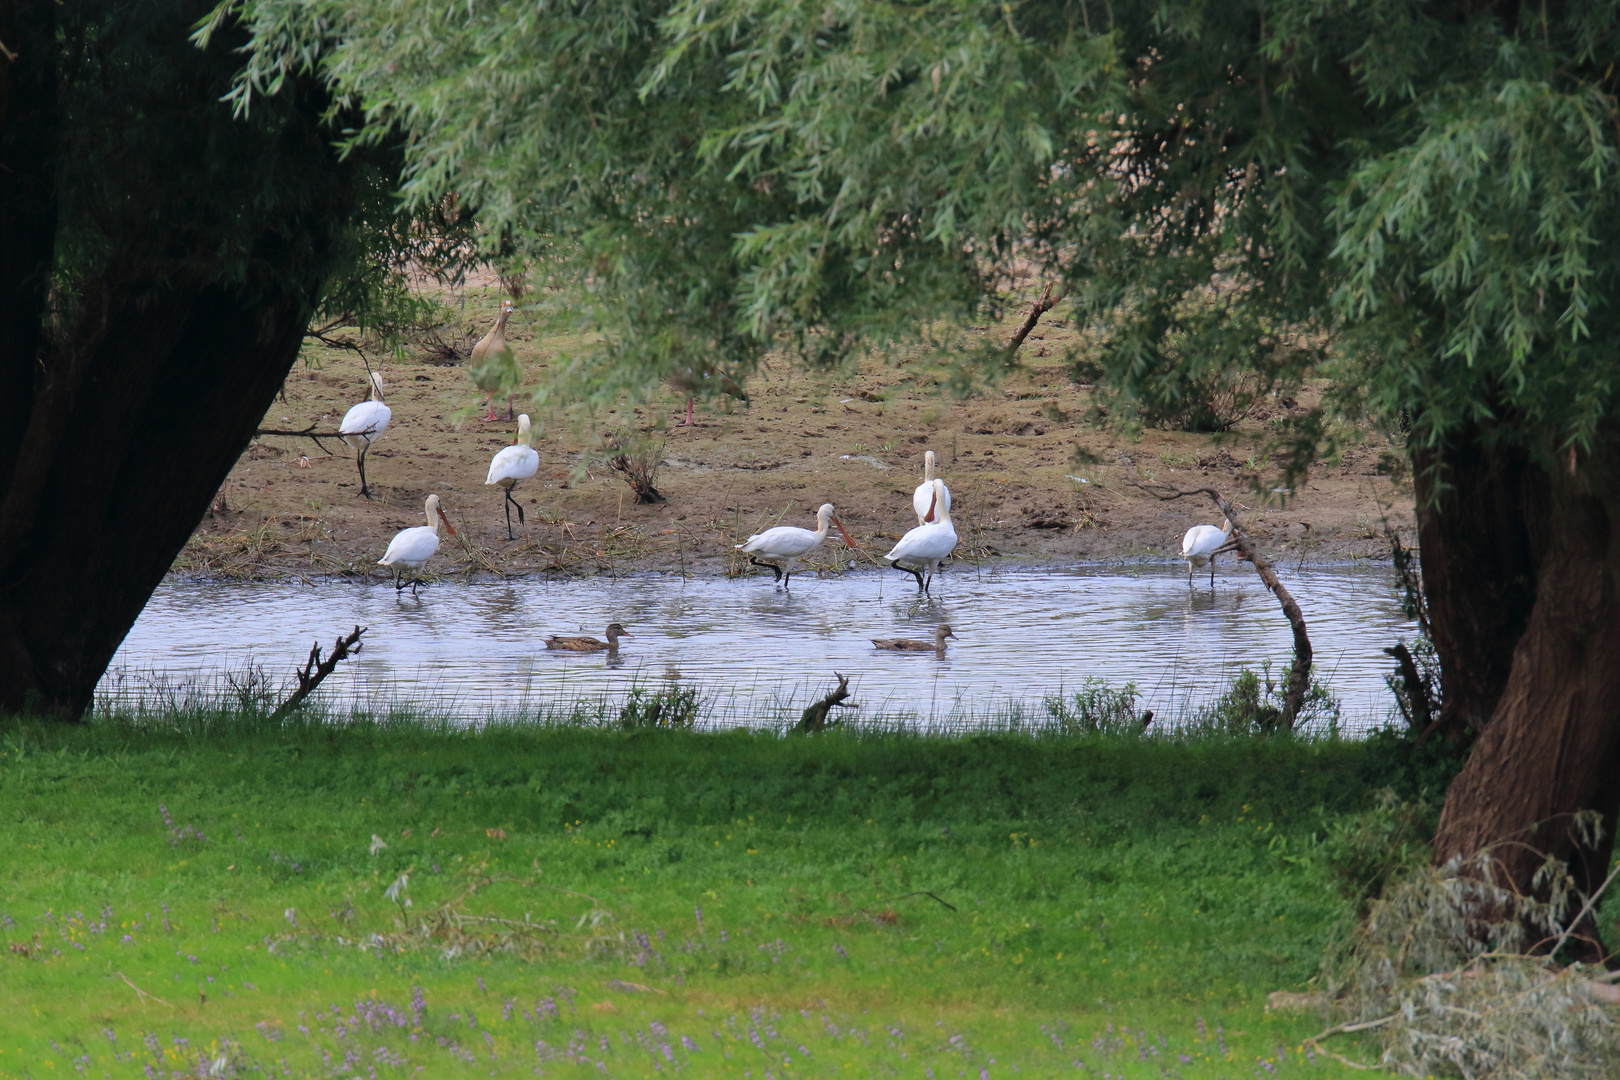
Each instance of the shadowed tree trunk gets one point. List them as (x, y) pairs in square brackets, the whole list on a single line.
[(149, 313), (1523, 568), (1478, 510)]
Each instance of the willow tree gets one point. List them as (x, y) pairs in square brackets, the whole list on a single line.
[(1414, 199), (160, 260)]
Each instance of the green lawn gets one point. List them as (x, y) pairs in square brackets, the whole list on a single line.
[(591, 902)]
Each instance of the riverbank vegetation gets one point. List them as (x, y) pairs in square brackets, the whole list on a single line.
[(204, 890)]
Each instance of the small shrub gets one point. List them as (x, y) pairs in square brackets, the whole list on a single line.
[(1213, 402), (1253, 705), (1097, 709), (636, 458), (672, 707)]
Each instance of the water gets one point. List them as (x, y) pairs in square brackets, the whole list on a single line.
[(759, 653)]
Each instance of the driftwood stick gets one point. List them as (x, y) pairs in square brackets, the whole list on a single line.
[(815, 717), (315, 671), (1299, 674), (1040, 307)]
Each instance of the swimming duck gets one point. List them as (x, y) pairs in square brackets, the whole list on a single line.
[(908, 645), (590, 644)]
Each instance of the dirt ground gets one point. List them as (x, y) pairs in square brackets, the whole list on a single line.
[(290, 510)]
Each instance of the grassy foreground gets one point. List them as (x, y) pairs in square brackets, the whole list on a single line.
[(408, 900)]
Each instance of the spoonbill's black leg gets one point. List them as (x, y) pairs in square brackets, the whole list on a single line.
[(777, 570), (511, 502)]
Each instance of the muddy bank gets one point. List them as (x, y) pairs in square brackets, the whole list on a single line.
[(857, 441)]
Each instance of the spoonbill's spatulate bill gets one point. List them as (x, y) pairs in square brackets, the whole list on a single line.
[(1201, 544), (927, 545), (790, 543), (410, 548), (924, 496), (511, 464), (364, 424)]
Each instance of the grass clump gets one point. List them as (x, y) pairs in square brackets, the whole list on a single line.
[(675, 706), (1097, 709), (210, 892), (1253, 705)]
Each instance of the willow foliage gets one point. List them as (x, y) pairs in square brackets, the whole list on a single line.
[(1414, 197)]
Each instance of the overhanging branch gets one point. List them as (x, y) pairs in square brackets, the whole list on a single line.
[(307, 433)]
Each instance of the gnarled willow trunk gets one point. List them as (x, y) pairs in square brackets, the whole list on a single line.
[(158, 264), (1521, 562)]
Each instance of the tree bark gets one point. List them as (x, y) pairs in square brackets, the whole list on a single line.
[(1549, 746), (1478, 507), (127, 404)]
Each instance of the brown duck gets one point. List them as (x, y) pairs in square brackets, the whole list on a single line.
[(590, 644), (907, 645)]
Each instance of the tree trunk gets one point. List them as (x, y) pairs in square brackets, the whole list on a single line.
[(127, 402), (1550, 745), (1478, 507), (108, 488)]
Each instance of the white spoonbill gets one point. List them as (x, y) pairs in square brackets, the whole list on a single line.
[(364, 424), (929, 543), (513, 463), (410, 548), (493, 365), (923, 497), (790, 543), (1201, 544)]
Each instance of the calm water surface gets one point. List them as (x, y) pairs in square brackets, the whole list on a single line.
[(760, 653)]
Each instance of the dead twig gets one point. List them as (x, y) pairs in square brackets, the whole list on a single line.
[(1299, 675), (1315, 1041), (307, 433), (931, 896), (1040, 307), (815, 717), (140, 994), (316, 670)]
